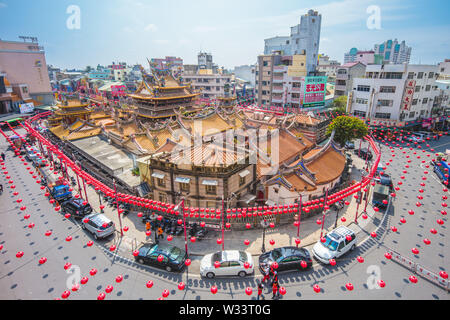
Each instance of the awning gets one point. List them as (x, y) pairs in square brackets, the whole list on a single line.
[(244, 173), (143, 189), (210, 182), (247, 198), (182, 180), (158, 175)]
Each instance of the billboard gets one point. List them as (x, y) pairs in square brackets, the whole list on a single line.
[(26, 107), (408, 94), (315, 91)]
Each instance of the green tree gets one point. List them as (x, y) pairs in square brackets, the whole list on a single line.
[(347, 129), (340, 105)]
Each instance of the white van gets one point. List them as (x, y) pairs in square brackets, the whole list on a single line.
[(336, 244)]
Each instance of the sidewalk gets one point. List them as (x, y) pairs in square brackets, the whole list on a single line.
[(283, 235)]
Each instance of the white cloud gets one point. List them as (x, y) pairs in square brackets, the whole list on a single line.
[(151, 27)]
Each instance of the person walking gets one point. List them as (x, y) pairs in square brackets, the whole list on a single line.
[(260, 290), (160, 233), (3, 156), (275, 290), (266, 275)]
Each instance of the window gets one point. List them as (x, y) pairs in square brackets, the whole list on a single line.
[(234, 264), (411, 114), (387, 89), (385, 103), (411, 75), (427, 88), (353, 237), (414, 102), (417, 89), (359, 113), (361, 101), (291, 259), (425, 100), (363, 88), (184, 187), (162, 197), (265, 63), (341, 245), (381, 115), (161, 182), (210, 204), (211, 190), (430, 75), (241, 181), (25, 89), (420, 75)]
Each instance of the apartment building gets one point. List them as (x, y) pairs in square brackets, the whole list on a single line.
[(283, 81), (393, 51), (212, 85), (345, 75), (304, 39), (397, 93), (24, 63)]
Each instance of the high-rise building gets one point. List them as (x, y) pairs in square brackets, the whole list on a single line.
[(393, 51), (304, 39)]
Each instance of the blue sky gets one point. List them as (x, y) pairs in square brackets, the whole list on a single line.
[(232, 30)]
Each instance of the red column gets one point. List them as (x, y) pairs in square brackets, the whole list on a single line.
[(118, 213)]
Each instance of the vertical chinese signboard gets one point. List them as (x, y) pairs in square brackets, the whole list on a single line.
[(408, 94), (315, 91)]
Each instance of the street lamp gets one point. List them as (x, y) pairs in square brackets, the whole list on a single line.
[(264, 225)]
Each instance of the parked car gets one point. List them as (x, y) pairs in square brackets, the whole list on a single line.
[(288, 258), (231, 264), (336, 244), (76, 208), (173, 258), (350, 145), (98, 224), (363, 153)]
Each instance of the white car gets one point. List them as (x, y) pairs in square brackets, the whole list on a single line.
[(417, 137), (232, 263), (98, 224), (336, 244)]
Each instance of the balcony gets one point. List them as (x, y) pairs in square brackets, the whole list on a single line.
[(342, 76), (277, 79), (277, 99), (277, 89)]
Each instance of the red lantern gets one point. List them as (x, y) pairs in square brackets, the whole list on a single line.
[(349, 286), (149, 284), (248, 291), (388, 255), (413, 279), (381, 283), (187, 262), (316, 288), (165, 293), (246, 242), (332, 262), (93, 272), (360, 259), (214, 289), (181, 286)]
